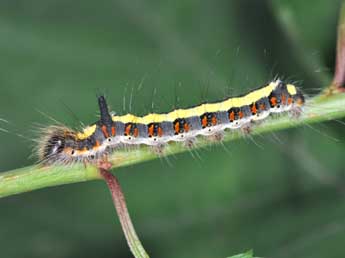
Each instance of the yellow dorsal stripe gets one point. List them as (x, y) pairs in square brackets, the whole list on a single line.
[(291, 89), (204, 108), (88, 131)]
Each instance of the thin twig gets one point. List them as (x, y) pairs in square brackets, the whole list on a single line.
[(120, 204), (339, 74)]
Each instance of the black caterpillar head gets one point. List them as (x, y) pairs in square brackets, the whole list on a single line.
[(52, 143)]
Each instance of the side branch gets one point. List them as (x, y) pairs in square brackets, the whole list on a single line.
[(339, 74), (120, 204)]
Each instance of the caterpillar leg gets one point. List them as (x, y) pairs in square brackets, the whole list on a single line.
[(247, 128), (216, 137), (158, 149), (295, 112), (85, 162), (190, 142)]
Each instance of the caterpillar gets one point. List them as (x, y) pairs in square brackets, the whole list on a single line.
[(59, 144)]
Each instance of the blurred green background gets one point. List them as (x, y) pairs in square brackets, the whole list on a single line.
[(281, 194)]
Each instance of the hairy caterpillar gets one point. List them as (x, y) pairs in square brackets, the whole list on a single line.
[(63, 145)]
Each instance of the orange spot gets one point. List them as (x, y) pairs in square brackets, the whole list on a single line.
[(273, 101), (254, 109), (160, 131), (240, 114), (113, 131), (290, 101), (128, 129), (204, 121), (262, 106), (283, 99), (232, 116), (97, 144), (68, 150), (136, 132), (214, 120), (186, 127), (150, 130), (177, 127), (300, 102), (105, 131), (82, 151)]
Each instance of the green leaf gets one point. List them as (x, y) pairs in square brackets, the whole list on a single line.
[(248, 254)]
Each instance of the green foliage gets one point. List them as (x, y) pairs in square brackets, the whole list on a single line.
[(248, 254)]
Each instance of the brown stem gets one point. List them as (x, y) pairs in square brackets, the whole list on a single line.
[(339, 75), (121, 208)]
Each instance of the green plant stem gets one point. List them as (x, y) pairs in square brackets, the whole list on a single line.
[(318, 109)]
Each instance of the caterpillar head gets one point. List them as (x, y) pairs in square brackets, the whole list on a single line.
[(52, 144)]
